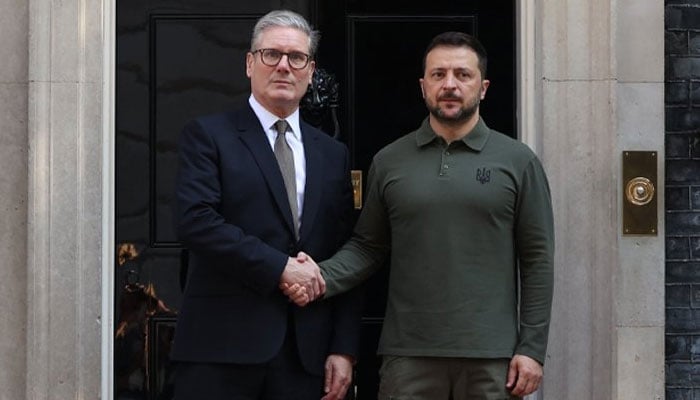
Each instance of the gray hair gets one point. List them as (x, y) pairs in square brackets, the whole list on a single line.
[(288, 19)]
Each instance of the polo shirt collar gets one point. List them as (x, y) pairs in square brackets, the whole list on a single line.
[(475, 140)]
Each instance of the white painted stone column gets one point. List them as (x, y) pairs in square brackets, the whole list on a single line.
[(65, 199), (600, 91)]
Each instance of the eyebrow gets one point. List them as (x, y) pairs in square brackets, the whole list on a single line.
[(441, 69)]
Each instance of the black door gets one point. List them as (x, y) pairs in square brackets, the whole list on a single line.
[(180, 59)]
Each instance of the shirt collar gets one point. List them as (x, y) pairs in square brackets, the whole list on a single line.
[(475, 140), (268, 119)]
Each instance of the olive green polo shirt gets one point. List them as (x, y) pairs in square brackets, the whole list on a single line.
[(468, 227)]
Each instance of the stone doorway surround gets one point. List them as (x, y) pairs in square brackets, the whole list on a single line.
[(591, 85), (69, 257)]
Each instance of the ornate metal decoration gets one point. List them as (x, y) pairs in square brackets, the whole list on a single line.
[(320, 98)]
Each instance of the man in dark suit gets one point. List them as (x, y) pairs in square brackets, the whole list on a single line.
[(252, 192)]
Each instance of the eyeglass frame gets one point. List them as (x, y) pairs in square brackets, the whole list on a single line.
[(282, 53)]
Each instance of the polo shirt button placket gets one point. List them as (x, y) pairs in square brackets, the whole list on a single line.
[(443, 162)]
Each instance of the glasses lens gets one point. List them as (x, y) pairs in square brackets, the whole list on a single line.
[(298, 60), (271, 57)]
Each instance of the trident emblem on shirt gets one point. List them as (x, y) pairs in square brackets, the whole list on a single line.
[(483, 175)]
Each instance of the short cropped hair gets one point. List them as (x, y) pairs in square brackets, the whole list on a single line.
[(459, 39), (287, 19)]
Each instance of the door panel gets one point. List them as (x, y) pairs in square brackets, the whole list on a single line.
[(180, 59), (197, 69)]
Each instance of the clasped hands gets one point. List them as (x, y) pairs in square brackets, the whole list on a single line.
[(301, 280)]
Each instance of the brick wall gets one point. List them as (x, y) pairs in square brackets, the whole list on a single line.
[(682, 199)]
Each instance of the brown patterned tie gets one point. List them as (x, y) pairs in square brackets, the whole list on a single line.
[(285, 159)]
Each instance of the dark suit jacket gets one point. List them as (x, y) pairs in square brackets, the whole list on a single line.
[(234, 217)]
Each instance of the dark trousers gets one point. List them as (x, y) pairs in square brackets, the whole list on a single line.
[(282, 378), (443, 378)]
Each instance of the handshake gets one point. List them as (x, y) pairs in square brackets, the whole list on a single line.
[(301, 280)]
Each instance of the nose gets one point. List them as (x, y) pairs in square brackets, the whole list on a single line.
[(284, 62), (449, 81)]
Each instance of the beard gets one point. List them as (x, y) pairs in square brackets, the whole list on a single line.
[(463, 114)]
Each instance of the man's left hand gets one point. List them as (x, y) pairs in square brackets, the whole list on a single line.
[(338, 376), (306, 273), (524, 375), (296, 293)]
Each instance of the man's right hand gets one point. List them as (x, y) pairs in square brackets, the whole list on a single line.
[(304, 272)]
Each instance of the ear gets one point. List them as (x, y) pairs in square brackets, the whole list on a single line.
[(312, 68), (484, 87), (249, 59), (420, 82)]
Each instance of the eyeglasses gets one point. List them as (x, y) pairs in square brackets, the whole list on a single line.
[(272, 57)]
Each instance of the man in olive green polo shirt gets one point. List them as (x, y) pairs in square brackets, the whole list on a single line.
[(467, 215)]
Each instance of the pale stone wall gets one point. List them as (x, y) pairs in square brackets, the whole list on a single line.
[(638, 291), (602, 92), (13, 197)]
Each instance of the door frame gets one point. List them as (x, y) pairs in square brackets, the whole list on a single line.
[(109, 67), (527, 115)]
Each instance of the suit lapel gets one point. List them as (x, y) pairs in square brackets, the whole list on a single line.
[(253, 136), (314, 175)]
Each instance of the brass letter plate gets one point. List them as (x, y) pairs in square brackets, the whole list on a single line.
[(356, 177), (639, 193)]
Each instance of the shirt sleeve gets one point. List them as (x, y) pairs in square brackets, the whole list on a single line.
[(534, 240), (368, 247)]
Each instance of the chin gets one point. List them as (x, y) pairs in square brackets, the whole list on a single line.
[(283, 95), (451, 114)]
